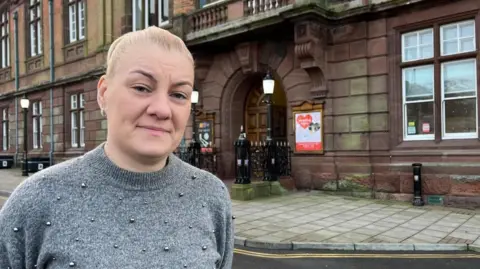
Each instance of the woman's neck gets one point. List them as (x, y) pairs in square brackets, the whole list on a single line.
[(132, 162)]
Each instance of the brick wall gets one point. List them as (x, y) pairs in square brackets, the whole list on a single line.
[(183, 6)]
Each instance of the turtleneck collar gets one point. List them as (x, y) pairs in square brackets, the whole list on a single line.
[(108, 172)]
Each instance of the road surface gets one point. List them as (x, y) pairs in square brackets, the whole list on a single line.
[(261, 259)]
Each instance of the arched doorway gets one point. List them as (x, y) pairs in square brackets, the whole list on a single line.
[(256, 114)]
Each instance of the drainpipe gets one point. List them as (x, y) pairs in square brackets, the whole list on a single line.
[(17, 84), (52, 77)]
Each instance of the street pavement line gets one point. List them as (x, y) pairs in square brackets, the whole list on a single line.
[(355, 255)]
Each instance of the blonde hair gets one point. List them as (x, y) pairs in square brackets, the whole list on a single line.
[(158, 36)]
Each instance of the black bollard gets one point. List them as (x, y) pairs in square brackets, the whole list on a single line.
[(271, 161), (242, 158), (417, 185)]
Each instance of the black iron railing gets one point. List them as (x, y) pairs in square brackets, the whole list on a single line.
[(253, 161), (205, 158)]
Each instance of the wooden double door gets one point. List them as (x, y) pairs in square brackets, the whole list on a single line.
[(256, 117)]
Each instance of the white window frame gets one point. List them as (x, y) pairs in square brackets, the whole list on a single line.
[(418, 46), (35, 27), (146, 9), (77, 129), (446, 136), (5, 131), (37, 111), (76, 20), (406, 136), (457, 24), (5, 39)]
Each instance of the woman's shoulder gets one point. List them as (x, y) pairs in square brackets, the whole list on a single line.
[(206, 182)]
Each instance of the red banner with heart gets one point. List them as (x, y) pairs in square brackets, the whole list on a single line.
[(304, 120)]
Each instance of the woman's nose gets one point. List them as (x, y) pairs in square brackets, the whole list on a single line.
[(160, 106)]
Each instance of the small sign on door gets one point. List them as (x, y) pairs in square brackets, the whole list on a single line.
[(4, 164), (40, 166)]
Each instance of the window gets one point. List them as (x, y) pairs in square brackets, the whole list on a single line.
[(5, 130), (4, 40), (35, 27), (76, 20), (77, 105), (440, 85), (203, 3), (37, 125), (148, 13)]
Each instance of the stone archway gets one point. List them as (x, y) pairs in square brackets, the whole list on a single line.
[(227, 79), (294, 80)]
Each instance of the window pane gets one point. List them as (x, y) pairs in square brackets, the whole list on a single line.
[(73, 101), (33, 40), (35, 134), (5, 136), (426, 51), (458, 79), (72, 23), (420, 119), (467, 44), (82, 129), (460, 116), (82, 100), (74, 129), (152, 12), (450, 47), (467, 30), (410, 40), (39, 37), (411, 54), (165, 10), (418, 83), (81, 7), (450, 32), (40, 133), (426, 38), (137, 14)]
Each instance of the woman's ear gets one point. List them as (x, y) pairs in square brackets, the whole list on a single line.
[(101, 93)]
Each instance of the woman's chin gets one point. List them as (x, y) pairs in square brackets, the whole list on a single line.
[(152, 151)]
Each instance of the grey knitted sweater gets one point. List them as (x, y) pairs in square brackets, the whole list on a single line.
[(89, 213)]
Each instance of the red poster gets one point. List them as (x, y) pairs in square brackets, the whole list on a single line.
[(308, 132), (308, 146), (426, 128)]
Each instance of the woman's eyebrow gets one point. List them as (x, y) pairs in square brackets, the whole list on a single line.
[(144, 73), (183, 83)]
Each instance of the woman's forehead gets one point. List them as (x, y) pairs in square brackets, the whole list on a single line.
[(156, 60)]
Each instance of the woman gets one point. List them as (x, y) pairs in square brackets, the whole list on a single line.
[(129, 203)]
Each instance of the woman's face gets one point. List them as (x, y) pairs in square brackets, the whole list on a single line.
[(147, 100)]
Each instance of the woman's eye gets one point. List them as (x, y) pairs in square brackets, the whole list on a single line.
[(179, 95), (141, 89)]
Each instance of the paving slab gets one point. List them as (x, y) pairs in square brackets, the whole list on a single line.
[(337, 222)]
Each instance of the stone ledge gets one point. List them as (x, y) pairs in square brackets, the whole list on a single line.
[(385, 246), (268, 245), (440, 247), (325, 246), (417, 247)]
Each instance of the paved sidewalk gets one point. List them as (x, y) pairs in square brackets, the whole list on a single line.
[(9, 180), (305, 219)]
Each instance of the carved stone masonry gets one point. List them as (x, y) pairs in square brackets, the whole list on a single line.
[(247, 56), (203, 62), (310, 48)]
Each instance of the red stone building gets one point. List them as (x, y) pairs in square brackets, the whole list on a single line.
[(398, 81)]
